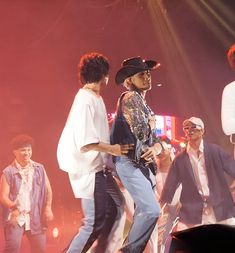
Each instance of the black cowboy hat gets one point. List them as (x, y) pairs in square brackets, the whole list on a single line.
[(132, 66)]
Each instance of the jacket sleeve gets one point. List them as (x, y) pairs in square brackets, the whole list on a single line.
[(228, 162), (171, 184), (134, 113)]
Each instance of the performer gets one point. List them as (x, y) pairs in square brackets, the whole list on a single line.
[(205, 196), (26, 197), (166, 222), (228, 102), (135, 123), (83, 151)]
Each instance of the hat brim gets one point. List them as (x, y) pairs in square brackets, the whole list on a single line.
[(127, 71), (196, 121)]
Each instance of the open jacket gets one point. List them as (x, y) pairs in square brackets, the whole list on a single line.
[(38, 195), (131, 126), (217, 162)]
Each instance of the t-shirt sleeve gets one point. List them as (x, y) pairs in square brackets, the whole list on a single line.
[(85, 132), (228, 109)]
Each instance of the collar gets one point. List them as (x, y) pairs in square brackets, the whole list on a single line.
[(192, 150), (30, 165)]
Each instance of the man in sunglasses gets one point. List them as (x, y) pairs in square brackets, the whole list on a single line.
[(205, 196)]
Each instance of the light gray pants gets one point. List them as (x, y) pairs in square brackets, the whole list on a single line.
[(147, 209)]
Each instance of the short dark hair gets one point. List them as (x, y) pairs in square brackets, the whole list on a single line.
[(92, 67), (231, 56), (21, 140)]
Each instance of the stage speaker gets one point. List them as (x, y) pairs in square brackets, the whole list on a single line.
[(213, 238)]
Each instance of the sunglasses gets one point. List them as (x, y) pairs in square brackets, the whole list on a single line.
[(193, 127)]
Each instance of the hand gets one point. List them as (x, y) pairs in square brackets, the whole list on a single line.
[(152, 121), (48, 214), (119, 183), (120, 150), (158, 148), (232, 186), (232, 189), (14, 214), (149, 155)]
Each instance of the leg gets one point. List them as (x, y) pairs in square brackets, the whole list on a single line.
[(115, 237), (94, 217), (13, 237), (111, 236), (147, 208), (153, 241), (102, 241), (37, 242), (152, 246), (130, 205)]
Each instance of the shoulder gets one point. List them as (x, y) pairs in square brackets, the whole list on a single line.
[(83, 97), (10, 169), (131, 97), (180, 157), (229, 88), (10, 172), (82, 101), (211, 145), (213, 148), (38, 166)]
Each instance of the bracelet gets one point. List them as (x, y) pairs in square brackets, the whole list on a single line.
[(14, 207)]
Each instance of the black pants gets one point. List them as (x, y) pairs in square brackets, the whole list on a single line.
[(108, 208)]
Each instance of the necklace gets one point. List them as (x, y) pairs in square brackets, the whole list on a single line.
[(91, 90)]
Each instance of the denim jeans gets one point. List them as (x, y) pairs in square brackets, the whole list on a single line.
[(147, 209), (13, 237), (103, 217)]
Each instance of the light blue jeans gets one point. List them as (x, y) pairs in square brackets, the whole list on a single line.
[(147, 209), (13, 237)]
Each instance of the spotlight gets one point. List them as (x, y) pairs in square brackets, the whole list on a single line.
[(182, 144), (55, 232)]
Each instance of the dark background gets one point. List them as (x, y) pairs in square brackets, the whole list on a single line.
[(41, 43)]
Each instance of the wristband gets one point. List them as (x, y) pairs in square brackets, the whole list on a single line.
[(14, 207)]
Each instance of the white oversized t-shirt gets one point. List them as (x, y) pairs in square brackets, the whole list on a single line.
[(228, 109), (87, 123)]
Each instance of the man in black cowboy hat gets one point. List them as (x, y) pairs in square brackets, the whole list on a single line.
[(135, 124)]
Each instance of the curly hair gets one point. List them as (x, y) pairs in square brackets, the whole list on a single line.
[(21, 140), (231, 56), (92, 67)]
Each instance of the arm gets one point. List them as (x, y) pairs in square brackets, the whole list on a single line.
[(228, 162), (4, 193), (48, 214), (171, 184), (134, 111), (116, 150), (6, 201), (87, 138), (136, 116)]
